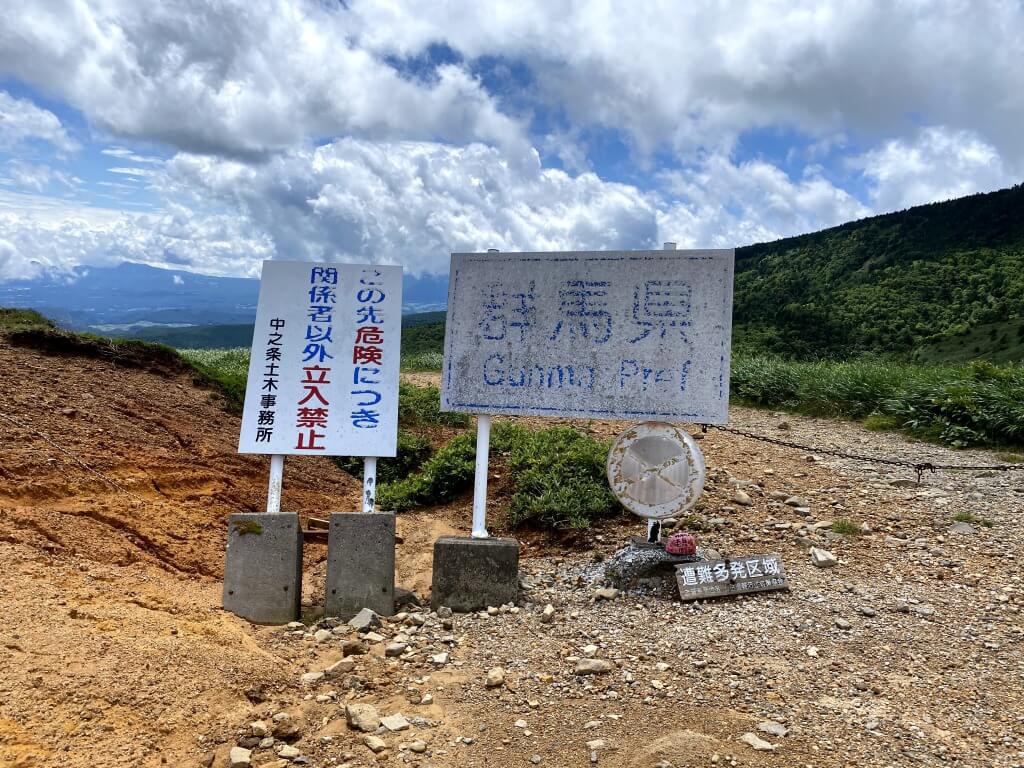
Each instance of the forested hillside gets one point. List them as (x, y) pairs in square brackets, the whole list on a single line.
[(916, 280)]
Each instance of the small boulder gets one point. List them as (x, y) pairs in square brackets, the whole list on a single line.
[(239, 757), (822, 558), (364, 620), (395, 722), (362, 717), (375, 743), (756, 742), (594, 667), (495, 678)]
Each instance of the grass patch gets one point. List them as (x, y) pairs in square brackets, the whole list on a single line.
[(23, 320), (959, 405), (968, 517), (558, 476), (846, 527)]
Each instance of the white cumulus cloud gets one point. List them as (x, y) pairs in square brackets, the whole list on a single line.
[(20, 119)]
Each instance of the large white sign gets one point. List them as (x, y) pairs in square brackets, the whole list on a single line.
[(615, 334), (323, 375)]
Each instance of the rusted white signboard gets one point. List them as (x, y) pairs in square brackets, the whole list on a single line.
[(732, 576), (613, 334)]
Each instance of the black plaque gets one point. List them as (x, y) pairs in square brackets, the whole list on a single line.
[(732, 576)]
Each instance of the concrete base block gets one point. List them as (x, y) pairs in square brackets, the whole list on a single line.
[(361, 564), (471, 574), (263, 571)]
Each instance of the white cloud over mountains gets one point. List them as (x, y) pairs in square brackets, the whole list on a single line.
[(307, 129)]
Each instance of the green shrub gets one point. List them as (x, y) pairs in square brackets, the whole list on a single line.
[(974, 404), (560, 481), (440, 479), (558, 476), (846, 527), (421, 406), (413, 450)]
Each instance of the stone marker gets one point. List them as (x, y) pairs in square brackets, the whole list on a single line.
[(471, 574), (361, 564), (263, 567), (732, 576)]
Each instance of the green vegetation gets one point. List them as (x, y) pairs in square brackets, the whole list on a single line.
[(846, 527), (23, 320), (228, 369), (557, 474), (412, 451), (244, 527), (974, 404), (559, 477), (421, 406), (916, 279), (967, 517)]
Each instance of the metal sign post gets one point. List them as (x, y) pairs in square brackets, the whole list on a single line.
[(483, 449), (369, 483), (274, 488)]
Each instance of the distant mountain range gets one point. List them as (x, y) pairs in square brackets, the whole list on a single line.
[(936, 282), (130, 298)]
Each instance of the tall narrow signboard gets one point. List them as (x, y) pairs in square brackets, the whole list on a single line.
[(323, 381), (323, 374)]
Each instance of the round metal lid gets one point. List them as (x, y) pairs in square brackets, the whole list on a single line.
[(656, 470)]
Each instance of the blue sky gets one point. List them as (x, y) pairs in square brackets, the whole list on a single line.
[(203, 137)]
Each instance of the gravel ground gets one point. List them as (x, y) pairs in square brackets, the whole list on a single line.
[(906, 652)]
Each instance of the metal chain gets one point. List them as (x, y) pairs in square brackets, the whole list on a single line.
[(73, 457), (920, 467)]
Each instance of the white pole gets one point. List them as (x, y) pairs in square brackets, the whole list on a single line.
[(483, 448), (274, 489), (369, 483)]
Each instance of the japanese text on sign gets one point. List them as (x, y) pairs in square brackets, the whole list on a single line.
[(303, 393), (734, 576), (633, 334)]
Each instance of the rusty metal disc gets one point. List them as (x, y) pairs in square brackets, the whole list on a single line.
[(656, 470)]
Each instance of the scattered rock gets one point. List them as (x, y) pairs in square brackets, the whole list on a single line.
[(289, 752), (797, 501), (311, 678), (417, 746), (606, 593), (495, 678), (742, 498), (756, 742), (440, 659), (822, 558), (362, 717), (962, 527), (548, 614), (364, 620), (341, 667), (354, 648), (375, 743), (239, 757), (395, 649), (594, 667), (323, 635), (773, 728), (843, 624), (395, 722)]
